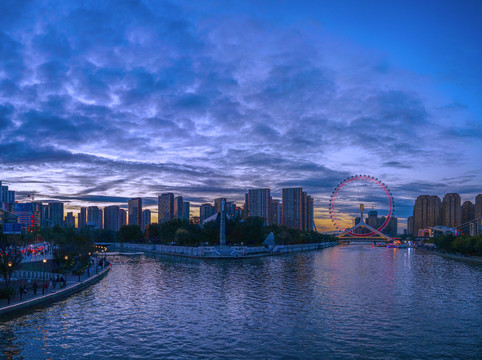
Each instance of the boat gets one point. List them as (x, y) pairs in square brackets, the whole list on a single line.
[(402, 246), (392, 246)]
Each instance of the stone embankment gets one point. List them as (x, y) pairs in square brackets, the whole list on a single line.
[(220, 252), (16, 307)]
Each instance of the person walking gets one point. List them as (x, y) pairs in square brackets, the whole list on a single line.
[(35, 287)]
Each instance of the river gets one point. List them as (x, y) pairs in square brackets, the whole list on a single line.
[(339, 303)]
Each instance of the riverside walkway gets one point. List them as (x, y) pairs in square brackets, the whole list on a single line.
[(30, 299)]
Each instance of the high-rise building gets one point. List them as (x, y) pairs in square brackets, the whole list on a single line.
[(392, 227), (478, 206), (218, 203), (178, 201), (468, 211), (94, 217), (82, 220), (112, 218), (122, 217), (185, 210), (259, 204), (206, 211), (292, 207), (146, 218), (165, 205), (6, 196), (410, 225), (451, 210), (372, 219), (27, 216), (135, 212), (56, 213), (309, 214), (275, 212), (70, 220), (230, 208), (427, 212)]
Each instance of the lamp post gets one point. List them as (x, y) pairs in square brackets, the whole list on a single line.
[(43, 282), (10, 264)]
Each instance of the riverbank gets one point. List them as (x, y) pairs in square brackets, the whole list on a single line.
[(471, 259), (220, 252), (72, 287)]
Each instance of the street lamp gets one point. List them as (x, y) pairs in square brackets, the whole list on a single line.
[(43, 283)]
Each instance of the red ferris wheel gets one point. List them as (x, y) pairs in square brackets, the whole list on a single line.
[(352, 195)]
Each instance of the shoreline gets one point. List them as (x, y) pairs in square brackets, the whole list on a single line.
[(220, 252), (470, 259), (43, 300)]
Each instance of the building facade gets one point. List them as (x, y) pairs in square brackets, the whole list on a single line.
[(135, 212), (468, 211), (478, 206), (451, 210), (55, 213), (112, 218), (94, 217), (69, 220), (259, 204), (146, 218), (206, 211), (427, 212), (165, 204)]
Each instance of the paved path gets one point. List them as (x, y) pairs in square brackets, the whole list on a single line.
[(70, 279)]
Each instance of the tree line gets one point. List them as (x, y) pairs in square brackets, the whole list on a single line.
[(466, 245)]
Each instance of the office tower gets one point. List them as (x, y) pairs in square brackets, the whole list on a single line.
[(82, 220), (427, 212), (451, 210), (122, 217), (70, 220), (292, 207), (146, 218), (275, 212), (218, 203), (135, 212), (185, 210), (259, 204), (410, 225), (94, 217), (112, 218), (478, 206), (206, 211), (468, 211), (165, 204), (178, 201), (55, 213)]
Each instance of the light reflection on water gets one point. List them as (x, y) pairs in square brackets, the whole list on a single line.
[(343, 302)]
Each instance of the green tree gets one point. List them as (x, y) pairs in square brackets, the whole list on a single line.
[(10, 256), (130, 233)]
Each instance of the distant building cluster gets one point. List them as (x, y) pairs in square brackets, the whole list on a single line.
[(373, 220), (294, 210), (430, 212)]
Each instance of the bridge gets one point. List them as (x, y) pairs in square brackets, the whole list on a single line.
[(374, 235)]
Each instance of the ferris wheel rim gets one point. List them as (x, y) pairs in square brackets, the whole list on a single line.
[(354, 178)]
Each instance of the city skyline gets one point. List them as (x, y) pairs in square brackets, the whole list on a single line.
[(101, 104)]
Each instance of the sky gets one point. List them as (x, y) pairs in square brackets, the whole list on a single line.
[(102, 101)]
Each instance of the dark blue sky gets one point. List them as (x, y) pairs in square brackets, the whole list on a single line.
[(102, 101)]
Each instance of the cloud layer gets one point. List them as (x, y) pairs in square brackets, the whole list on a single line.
[(100, 102)]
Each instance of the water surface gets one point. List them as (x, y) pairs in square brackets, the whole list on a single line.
[(343, 302)]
